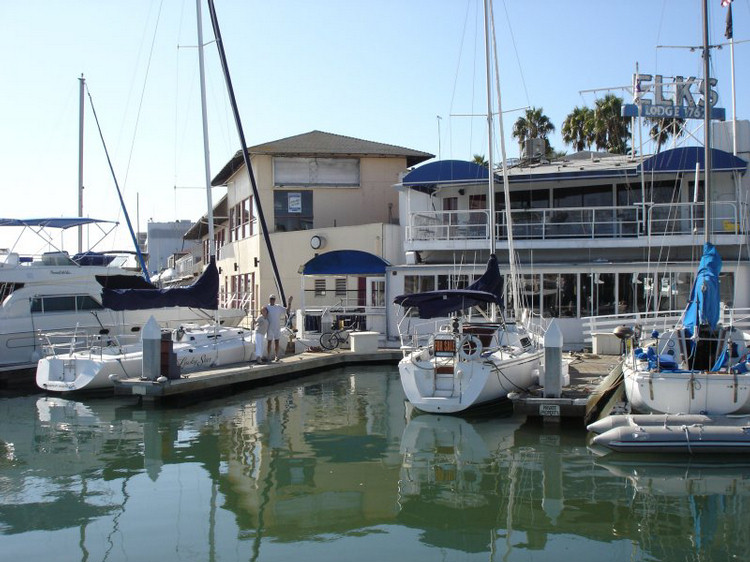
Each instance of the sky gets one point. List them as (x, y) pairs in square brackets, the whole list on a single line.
[(403, 72)]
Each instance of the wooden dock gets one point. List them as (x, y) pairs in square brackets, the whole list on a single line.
[(590, 379), (227, 378)]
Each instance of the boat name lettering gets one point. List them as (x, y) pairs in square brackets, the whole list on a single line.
[(59, 271), (196, 360)]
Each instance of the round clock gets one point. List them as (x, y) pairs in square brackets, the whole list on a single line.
[(316, 242)]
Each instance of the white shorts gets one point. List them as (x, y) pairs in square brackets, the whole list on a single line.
[(273, 334)]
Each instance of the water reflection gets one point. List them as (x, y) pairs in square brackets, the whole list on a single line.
[(336, 465)]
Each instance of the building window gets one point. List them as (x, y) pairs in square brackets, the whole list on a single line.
[(293, 210), (418, 283), (241, 220), (341, 287), (240, 292), (320, 287), (318, 172)]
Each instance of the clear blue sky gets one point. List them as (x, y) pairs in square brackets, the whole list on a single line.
[(378, 70)]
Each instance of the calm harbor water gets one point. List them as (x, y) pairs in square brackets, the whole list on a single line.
[(334, 467)]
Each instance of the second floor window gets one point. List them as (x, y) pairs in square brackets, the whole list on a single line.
[(241, 220), (293, 210)]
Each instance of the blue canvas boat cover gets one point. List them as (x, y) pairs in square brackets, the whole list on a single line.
[(703, 306), (488, 289), (345, 262), (204, 293)]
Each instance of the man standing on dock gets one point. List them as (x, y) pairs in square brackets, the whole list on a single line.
[(275, 312)]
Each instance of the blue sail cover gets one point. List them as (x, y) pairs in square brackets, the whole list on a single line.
[(204, 293), (488, 289), (703, 306)]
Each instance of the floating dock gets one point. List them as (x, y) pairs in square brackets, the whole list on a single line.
[(590, 392), (222, 378)]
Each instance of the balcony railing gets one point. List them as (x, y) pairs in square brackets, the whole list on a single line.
[(577, 222)]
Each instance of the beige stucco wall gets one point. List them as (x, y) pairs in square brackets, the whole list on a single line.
[(356, 218)]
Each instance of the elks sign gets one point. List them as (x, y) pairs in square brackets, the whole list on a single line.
[(681, 98)]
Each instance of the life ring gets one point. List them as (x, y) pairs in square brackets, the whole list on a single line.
[(469, 348)]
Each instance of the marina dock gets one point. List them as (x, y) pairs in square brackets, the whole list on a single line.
[(588, 373), (223, 378)]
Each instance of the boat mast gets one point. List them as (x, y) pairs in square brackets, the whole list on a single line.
[(706, 130), (490, 163), (206, 157), (490, 36), (243, 149), (81, 88)]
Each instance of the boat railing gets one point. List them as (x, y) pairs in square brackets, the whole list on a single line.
[(68, 342), (415, 335)]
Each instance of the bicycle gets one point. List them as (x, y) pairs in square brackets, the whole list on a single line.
[(339, 336)]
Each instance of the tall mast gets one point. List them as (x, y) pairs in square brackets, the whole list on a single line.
[(706, 130), (490, 36), (490, 162), (81, 88), (206, 157)]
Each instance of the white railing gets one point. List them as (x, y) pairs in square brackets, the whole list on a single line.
[(663, 320), (65, 342), (577, 222)]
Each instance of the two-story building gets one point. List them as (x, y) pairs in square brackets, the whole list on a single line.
[(319, 192), (594, 233)]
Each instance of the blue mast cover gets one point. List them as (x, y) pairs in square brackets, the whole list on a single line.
[(703, 306), (204, 293), (432, 304)]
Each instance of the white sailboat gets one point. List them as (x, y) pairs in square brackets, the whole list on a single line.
[(191, 347), (699, 366), (467, 363)]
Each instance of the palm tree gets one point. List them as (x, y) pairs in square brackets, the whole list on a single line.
[(479, 159), (534, 124), (611, 129), (663, 128), (578, 128)]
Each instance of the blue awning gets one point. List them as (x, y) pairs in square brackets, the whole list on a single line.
[(345, 262), (55, 222), (684, 160), (445, 172)]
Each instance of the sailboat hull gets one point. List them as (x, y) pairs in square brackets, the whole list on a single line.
[(449, 386), (687, 392), (96, 369)]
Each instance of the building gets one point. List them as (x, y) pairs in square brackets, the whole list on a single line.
[(595, 233), (319, 192), (163, 240)]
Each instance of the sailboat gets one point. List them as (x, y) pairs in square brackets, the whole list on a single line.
[(189, 347), (466, 362), (699, 366)]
